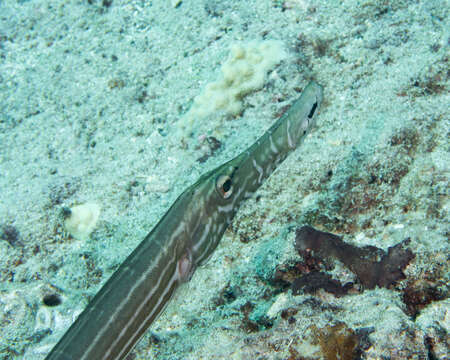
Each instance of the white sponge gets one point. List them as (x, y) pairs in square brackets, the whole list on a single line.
[(82, 220)]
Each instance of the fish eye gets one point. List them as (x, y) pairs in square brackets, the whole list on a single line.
[(224, 186)]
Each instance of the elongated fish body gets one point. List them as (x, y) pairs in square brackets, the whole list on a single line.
[(183, 239)]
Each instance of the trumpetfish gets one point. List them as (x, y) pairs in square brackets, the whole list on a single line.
[(184, 238)]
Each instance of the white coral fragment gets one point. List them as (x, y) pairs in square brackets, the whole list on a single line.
[(243, 72)]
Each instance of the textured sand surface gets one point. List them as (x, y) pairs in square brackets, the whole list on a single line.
[(93, 95)]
